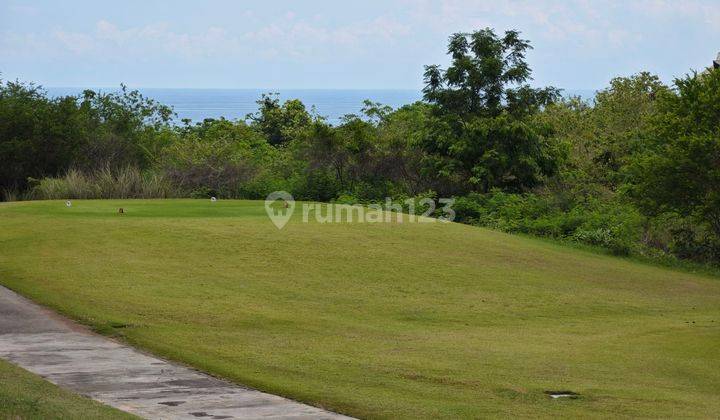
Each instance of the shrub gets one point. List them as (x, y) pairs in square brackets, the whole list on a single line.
[(613, 225)]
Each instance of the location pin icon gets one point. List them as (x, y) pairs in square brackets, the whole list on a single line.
[(279, 206)]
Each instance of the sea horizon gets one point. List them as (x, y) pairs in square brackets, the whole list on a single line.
[(198, 104)]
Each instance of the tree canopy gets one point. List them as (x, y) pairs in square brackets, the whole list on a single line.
[(482, 136)]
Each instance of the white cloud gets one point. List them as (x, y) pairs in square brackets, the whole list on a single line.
[(288, 37), (583, 23), (74, 42), (579, 21)]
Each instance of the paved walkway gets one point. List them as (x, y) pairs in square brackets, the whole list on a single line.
[(72, 357)]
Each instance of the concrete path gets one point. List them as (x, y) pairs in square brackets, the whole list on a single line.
[(115, 374)]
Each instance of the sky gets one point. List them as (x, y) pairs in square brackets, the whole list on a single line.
[(578, 44)]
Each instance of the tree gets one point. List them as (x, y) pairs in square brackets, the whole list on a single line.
[(216, 158), (400, 154), (487, 77), (280, 123), (603, 138), (680, 171), (41, 136), (125, 129), (38, 136), (481, 136)]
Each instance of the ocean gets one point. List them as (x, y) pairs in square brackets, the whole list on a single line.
[(333, 104)]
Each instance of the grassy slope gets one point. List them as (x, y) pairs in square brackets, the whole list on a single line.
[(382, 320), (26, 396)]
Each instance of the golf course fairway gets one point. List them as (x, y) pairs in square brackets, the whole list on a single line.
[(383, 320)]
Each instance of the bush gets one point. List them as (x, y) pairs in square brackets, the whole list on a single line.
[(613, 225)]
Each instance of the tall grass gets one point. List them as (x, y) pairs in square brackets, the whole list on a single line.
[(9, 195), (128, 182)]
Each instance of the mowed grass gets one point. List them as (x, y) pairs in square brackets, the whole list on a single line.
[(26, 396), (388, 320)]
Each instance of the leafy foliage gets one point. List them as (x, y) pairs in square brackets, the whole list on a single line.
[(487, 77), (40, 136), (680, 170), (280, 123), (481, 137)]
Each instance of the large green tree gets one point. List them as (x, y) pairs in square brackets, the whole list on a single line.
[(680, 170), (482, 137), (42, 136), (38, 136)]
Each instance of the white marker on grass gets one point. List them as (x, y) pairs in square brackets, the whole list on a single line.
[(68, 203)]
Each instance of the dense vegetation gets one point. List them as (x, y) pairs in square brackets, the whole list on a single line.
[(636, 171)]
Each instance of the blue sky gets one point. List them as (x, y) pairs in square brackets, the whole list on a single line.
[(333, 44)]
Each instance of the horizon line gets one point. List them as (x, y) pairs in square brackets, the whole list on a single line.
[(269, 89)]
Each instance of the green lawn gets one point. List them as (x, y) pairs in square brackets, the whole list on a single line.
[(26, 396), (376, 320)]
